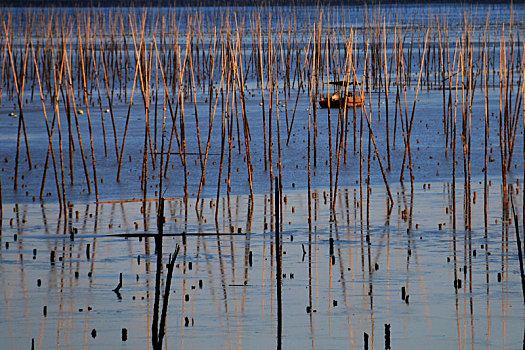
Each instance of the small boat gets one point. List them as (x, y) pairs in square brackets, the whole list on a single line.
[(339, 100)]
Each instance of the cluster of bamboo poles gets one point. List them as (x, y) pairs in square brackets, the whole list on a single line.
[(98, 60)]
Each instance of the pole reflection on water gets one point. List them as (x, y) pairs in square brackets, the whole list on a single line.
[(225, 293)]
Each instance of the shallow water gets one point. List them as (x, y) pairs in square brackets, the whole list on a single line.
[(343, 271), (358, 291)]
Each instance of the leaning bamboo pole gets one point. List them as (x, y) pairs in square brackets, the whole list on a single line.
[(20, 97), (182, 121), (56, 106), (386, 99), (194, 93), (366, 113), (130, 104), (109, 98), (329, 121), (225, 64), (72, 98), (208, 143), (86, 101), (49, 135), (343, 120), (179, 100), (246, 128)]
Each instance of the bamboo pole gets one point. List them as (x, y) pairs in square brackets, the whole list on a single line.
[(49, 134), (86, 101), (365, 111), (137, 69), (386, 99), (72, 98), (20, 95), (110, 99)]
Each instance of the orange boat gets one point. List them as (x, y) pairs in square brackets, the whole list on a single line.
[(339, 100)]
